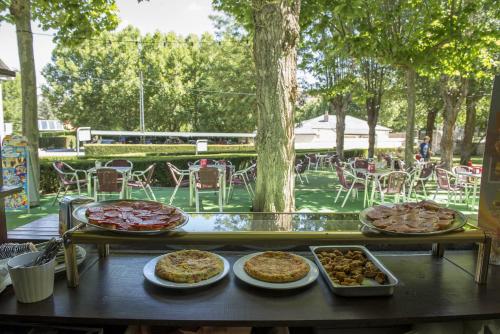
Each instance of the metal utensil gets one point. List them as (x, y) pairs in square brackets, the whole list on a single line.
[(49, 252)]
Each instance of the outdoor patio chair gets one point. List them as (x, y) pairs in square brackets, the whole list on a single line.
[(312, 160), (360, 166), (178, 177), (142, 180), (418, 180), (107, 182), (210, 162), (229, 168), (446, 181), (332, 160), (241, 177), (67, 177), (207, 181), (460, 178), (300, 170), (355, 185), (399, 165), (119, 163), (392, 184)]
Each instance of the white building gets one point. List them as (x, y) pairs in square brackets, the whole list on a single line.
[(320, 132)]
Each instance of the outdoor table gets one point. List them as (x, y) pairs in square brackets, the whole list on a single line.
[(321, 159), (373, 178), (125, 171), (476, 177), (192, 180)]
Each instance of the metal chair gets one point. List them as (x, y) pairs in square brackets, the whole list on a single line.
[(178, 177), (143, 179), (355, 185), (446, 181), (210, 162), (244, 177), (67, 176), (107, 181), (208, 181), (419, 178), (360, 167), (392, 183), (300, 170), (312, 160), (119, 163)]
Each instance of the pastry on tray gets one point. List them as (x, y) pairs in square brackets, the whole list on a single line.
[(277, 267), (350, 268), (189, 266)]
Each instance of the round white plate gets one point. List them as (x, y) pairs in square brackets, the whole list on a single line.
[(240, 272), (149, 274)]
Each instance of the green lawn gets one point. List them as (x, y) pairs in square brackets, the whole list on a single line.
[(317, 196)]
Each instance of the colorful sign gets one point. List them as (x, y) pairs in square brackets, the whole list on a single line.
[(489, 204), (15, 164)]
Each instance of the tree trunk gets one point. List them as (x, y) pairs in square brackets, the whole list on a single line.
[(470, 123), (430, 125), (275, 55), (21, 11), (453, 93), (372, 113), (410, 116), (338, 106)]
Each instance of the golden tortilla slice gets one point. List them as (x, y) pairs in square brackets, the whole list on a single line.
[(277, 267), (189, 266)]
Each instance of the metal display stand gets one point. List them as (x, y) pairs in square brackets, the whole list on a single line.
[(81, 233)]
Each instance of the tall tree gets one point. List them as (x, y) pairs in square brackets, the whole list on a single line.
[(471, 50), (373, 75), (190, 83), (274, 25), (471, 100), (430, 102), (453, 91), (73, 20), (275, 54), (400, 33), (325, 57)]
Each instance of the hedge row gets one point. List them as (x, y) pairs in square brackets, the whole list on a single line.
[(57, 142), (49, 184), (98, 150)]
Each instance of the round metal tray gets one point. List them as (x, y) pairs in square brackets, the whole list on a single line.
[(458, 223), (79, 215)]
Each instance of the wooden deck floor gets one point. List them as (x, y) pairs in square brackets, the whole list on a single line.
[(38, 230)]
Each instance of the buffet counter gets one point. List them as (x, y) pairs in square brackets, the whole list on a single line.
[(276, 230), (114, 291)]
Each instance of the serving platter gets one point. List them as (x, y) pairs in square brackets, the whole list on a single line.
[(239, 271), (150, 276), (459, 221), (369, 287), (79, 215)]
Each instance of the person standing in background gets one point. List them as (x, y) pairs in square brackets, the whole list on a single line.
[(425, 149)]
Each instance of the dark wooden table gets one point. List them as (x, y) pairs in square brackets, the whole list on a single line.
[(113, 291)]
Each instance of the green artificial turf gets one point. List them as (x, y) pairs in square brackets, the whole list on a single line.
[(316, 196)]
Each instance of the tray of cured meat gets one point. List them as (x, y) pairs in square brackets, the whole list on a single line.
[(131, 216), (412, 218)]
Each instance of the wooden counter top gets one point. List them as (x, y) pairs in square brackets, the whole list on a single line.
[(113, 291)]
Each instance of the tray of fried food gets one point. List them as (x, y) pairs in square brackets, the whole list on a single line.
[(412, 218), (353, 271)]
